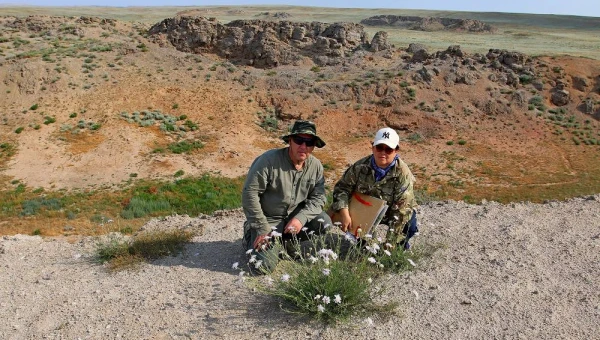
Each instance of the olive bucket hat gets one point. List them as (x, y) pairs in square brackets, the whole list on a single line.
[(304, 127)]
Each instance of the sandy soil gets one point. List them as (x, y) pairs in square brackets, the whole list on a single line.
[(518, 271)]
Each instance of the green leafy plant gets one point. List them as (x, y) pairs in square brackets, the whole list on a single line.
[(185, 147)]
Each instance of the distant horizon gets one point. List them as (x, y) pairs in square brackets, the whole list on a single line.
[(586, 8)]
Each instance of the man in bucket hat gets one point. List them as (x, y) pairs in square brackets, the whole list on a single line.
[(284, 196)]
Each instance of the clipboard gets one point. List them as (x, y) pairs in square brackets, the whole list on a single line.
[(366, 212)]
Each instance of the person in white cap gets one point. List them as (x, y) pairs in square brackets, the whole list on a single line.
[(383, 175)]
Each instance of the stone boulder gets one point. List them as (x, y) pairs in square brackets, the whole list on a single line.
[(380, 42), (560, 97)]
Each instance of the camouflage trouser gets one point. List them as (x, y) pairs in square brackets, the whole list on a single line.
[(270, 255), (410, 229)]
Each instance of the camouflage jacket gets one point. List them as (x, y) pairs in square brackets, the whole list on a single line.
[(396, 188)]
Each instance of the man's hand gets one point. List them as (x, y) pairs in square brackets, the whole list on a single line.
[(345, 220), (293, 227), (261, 242)]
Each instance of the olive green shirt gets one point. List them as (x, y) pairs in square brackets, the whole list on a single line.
[(396, 187), (274, 189)]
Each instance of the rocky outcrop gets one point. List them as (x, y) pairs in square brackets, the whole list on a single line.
[(429, 23), (265, 44), (380, 42)]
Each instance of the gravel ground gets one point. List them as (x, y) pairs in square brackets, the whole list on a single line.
[(529, 271)]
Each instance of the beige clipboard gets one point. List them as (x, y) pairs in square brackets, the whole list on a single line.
[(366, 212)]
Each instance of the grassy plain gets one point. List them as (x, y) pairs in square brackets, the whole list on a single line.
[(533, 34)]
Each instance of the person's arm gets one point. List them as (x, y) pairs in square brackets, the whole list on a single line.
[(341, 197), (255, 185)]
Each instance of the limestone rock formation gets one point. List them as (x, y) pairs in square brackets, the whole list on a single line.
[(428, 23), (265, 44)]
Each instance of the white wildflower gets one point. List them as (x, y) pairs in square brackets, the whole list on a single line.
[(320, 220), (380, 265), (269, 281), (275, 234), (337, 224), (235, 265), (304, 229), (326, 272), (311, 232), (369, 321), (412, 263), (258, 264), (379, 239), (313, 259), (327, 226), (252, 259), (416, 294), (326, 300), (368, 236), (392, 230), (387, 252), (242, 273), (389, 245), (370, 280), (317, 297), (249, 251), (274, 228), (372, 260), (337, 299), (320, 308), (285, 277)]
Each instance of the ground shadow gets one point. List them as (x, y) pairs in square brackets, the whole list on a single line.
[(217, 256)]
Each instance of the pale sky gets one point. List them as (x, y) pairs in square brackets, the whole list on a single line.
[(572, 7)]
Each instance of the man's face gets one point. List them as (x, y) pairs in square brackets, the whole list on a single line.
[(299, 150)]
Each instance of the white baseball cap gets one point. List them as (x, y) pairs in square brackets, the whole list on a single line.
[(388, 137)]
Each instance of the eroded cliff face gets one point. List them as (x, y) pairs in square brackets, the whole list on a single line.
[(265, 44)]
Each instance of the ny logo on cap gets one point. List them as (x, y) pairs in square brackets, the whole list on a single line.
[(386, 135)]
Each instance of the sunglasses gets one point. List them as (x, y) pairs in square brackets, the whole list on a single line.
[(384, 148), (301, 140)]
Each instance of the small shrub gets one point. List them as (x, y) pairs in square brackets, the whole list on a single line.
[(179, 173), (36, 232), (450, 142), (185, 147), (34, 107), (141, 207), (122, 253), (462, 142), (73, 115), (49, 120), (19, 129), (33, 207)]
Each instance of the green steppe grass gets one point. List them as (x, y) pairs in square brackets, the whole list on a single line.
[(533, 34)]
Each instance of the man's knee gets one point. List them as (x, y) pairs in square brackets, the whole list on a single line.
[(320, 223)]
